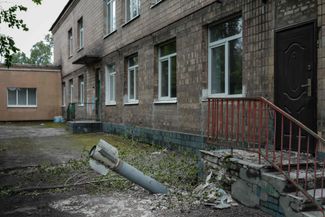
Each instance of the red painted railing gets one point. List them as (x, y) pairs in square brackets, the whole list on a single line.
[(258, 125)]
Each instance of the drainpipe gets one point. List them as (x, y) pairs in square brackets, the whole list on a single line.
[(104, 153)]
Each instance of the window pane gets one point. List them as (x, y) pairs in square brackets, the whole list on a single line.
[(164, 79), (32, 96), (226, 29), (218, 69), (112, 87), (131, 82), (167, 49), (22, 96), (12, 96), (128, 10), (81, 38), (113, 17), (136, 82), (235, 66), (173, 76), (109, 18), (111, 68), (133, 61), (134, 8)]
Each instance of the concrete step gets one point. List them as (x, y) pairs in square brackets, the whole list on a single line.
[(288, 187), (312, 214), (301, 203)]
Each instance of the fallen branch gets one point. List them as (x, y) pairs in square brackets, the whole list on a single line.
[(42, 188)]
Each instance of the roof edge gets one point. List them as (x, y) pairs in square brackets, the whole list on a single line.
[(29, 67), (66, 7)]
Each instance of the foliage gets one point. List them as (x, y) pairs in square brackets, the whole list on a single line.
[(41, 52), (9, 17), (20, 58)]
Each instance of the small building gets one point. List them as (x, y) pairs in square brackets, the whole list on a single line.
[(30, 93)]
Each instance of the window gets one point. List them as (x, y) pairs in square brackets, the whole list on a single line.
[(154, 2), (132, 78), (132, 9), (22, 97), (81, 90), (225, 58), (71, 90), (110, 85), (63, 93), (167, 71), (81, 33), (111, 16), (70, 43)]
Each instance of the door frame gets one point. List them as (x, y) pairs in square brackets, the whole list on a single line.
[(98, 93), (314, 80)]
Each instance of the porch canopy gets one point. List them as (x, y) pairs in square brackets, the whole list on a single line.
[(87, 60)]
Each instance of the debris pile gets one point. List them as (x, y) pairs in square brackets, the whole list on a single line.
[(207, 194), (211, 195)]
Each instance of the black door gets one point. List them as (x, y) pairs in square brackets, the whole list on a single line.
[(295, 81)]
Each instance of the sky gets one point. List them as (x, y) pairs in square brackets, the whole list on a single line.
[(39, 19)]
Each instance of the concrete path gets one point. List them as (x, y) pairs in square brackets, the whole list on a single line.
[(32, 145), (9, 131)]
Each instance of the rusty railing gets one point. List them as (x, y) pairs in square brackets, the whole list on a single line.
[(256, 124)]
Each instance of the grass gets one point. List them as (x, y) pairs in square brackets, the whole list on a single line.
[(177, 170)]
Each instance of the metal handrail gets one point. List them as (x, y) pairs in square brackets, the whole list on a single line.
[(247, 122), (298, 123)]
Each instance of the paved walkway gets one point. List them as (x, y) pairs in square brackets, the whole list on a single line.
[(32, 145), (32, 131)]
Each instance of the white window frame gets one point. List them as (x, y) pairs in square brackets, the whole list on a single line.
[(63, 94), (110, 75), (111, 14), (128, 9), (81, 93), (81, 33), (163, 59), (21, 106), (70, 41), (133, 68), (71, 92), (154, 2), (215, 44)]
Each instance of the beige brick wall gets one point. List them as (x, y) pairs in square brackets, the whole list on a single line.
[(187, 21), (47, 82)]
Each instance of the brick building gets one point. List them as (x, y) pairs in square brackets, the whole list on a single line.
[(146, 67)]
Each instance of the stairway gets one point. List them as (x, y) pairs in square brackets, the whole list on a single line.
[(288, 150), (263, 186)]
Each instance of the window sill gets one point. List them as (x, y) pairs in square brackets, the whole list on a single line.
[(205, 99), (110, 104), (21, 106), (155, 4), (130, 21), (80, 49), (134, 102), (171, 101), (108, 34)]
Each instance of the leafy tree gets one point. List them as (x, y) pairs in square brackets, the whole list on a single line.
[(20, 58), (9, 17), (41, 52)]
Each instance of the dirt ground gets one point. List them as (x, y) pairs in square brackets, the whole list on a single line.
[(35, 157)]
